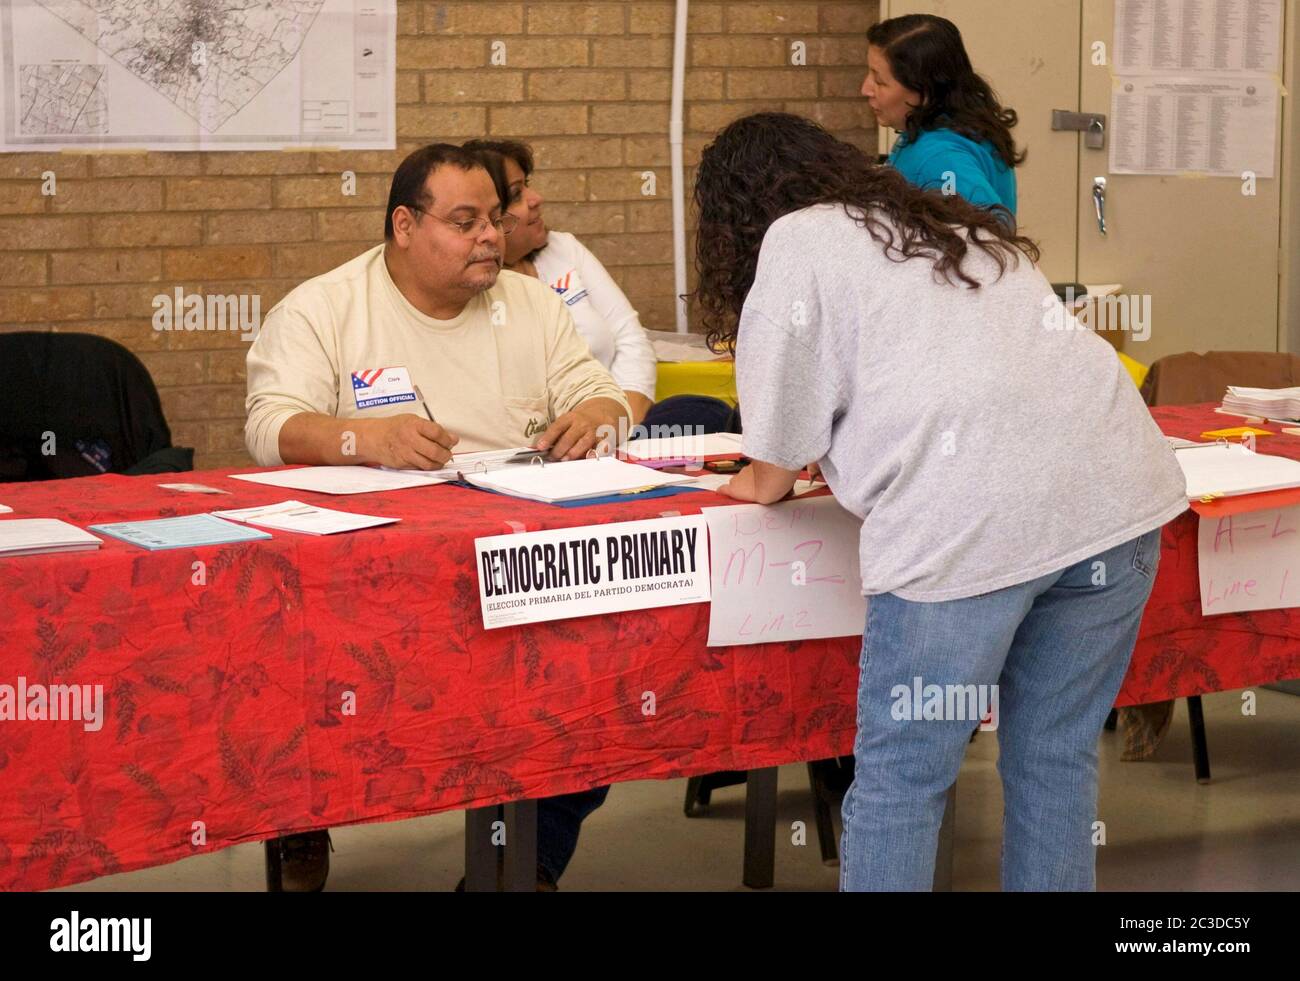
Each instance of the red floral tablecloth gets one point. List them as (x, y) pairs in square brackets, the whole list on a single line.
[(1179, 652), (224, 700)]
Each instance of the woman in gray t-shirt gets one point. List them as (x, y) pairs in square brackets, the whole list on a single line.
[(1010, 482)]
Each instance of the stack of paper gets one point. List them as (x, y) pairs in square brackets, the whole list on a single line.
[(304, 518), (575, 480), (185, 532), (1227, 469), (1266, 403), (39, 536)]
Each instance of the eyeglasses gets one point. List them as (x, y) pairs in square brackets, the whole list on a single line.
[(474, 227)]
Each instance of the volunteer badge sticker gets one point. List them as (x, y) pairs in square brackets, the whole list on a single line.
[(382, 386), (570, 287)]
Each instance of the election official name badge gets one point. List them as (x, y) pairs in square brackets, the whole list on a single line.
[(382, 386), (570, 287)]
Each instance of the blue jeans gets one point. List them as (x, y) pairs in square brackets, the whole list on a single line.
[(1057, 648), (559, 819)]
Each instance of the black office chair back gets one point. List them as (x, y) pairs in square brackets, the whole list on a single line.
[(75, 405)]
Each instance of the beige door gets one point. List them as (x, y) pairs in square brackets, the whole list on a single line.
[(1205, 254)]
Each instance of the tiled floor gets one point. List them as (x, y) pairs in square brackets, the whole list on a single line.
[(1164, 831)]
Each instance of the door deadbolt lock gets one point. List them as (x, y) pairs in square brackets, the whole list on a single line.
[(1092, 125)]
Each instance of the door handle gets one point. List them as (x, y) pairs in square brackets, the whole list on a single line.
[(1099, 202)]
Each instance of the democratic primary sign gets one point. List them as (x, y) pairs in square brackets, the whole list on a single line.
[(577, 572)]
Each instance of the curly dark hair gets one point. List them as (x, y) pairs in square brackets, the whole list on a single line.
[(767, 165), (926, 55)]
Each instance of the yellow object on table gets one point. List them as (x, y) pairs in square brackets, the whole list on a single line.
[(718, 378), (715, 378), (1136, 369), (1235, 432)]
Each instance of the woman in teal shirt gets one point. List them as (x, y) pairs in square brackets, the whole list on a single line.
[(956, 136)]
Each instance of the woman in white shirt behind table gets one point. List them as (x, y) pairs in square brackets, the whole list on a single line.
[(601, 312)]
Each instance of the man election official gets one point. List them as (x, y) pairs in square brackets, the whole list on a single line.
[(417, 348), (334, 373)]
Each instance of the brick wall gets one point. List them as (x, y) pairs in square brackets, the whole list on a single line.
[(587, 83)]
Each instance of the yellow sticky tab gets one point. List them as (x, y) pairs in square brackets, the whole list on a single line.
[(1236, 431)]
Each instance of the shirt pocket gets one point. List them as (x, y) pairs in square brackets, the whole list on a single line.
[(528, 416)]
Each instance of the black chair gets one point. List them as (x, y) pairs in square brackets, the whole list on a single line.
[(76, 405), (828, 780)]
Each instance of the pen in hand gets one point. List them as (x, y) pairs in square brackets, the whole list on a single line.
[(423, 404)]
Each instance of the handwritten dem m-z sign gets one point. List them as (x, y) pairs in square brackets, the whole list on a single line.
[(785, 571)]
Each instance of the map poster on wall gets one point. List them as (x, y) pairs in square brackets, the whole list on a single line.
[(197, 74)]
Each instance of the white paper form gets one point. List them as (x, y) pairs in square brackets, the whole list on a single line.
[(1178, 36), (340, 480), (1213, 125), (305, 519)]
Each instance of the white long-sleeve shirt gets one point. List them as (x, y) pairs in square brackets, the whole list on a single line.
[(604, 317)]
